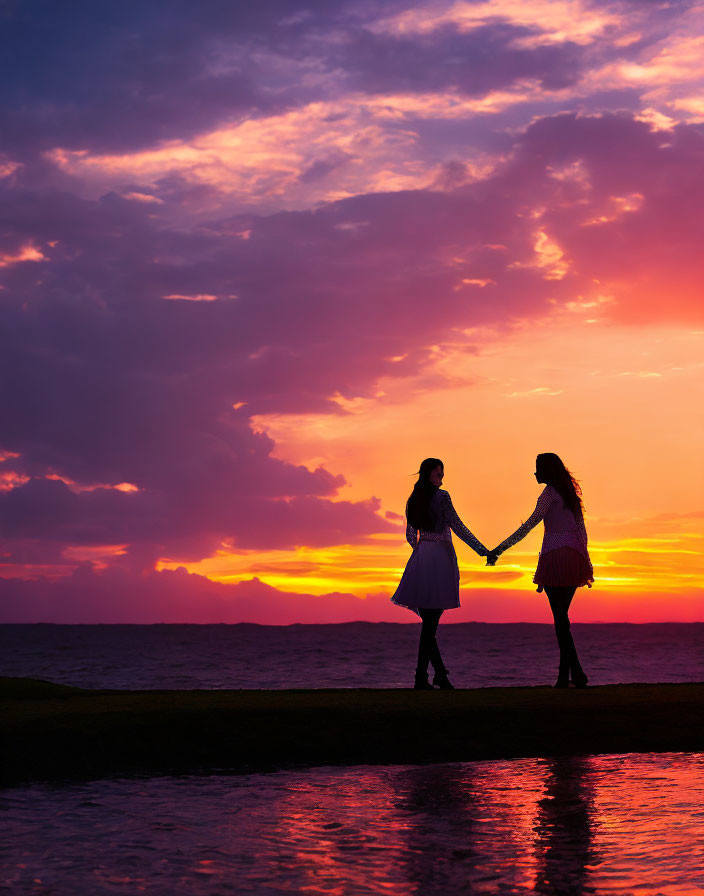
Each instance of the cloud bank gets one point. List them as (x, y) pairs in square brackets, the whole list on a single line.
[(213, 213)]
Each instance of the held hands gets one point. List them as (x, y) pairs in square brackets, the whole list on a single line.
[(491, 558)]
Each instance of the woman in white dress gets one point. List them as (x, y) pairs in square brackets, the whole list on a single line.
[(564, 564), (431, 580)]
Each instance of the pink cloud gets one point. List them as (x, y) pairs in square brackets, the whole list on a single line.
[(151, 307), (114, 385)]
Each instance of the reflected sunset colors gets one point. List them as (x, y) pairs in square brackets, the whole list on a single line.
[(600, 825), (579, 826)]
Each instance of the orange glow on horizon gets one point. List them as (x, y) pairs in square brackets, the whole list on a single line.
[(237, 330), (644, 527)]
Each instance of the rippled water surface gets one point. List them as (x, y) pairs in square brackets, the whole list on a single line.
[(365, 654), (602, 825)]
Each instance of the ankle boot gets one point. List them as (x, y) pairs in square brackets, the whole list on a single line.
[(442, 681), (422, 683), (579, 677), (563, 676)]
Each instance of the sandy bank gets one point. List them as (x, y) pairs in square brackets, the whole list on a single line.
[(51, 731)]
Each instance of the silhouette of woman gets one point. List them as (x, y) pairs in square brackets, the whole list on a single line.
[(564, 563), (431, 580)]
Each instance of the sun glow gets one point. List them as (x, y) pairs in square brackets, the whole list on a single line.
[(328, 243), (593, 421)]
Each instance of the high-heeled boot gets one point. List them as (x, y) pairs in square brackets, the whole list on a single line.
[(577, 673), (422, 683), (563, 676), (579, 676), (442, 681)]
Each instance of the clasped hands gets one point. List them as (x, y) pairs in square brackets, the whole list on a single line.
[(492, 557)]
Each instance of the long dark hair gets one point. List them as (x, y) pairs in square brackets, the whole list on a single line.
[(418, 511), (552, 471)]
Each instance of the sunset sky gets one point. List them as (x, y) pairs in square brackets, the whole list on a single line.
[(258, 260)]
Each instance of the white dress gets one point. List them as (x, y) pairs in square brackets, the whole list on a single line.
[(431, 579)]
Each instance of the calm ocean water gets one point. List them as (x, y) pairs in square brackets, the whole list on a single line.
[(602, 825), (605, 826), (348, 655)]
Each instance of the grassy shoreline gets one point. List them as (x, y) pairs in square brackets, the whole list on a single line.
[(52, 732)]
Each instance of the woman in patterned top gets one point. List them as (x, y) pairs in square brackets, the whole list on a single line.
[(431, 581), (564, 563)]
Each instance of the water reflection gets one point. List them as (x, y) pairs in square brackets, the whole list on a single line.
[(438, 818), (564, 829), (606, 825)]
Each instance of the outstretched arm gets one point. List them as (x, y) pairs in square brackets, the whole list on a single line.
[(459, 528), (541, 508)]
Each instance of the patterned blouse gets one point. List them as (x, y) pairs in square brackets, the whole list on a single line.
[(446, 520), (563, 528)]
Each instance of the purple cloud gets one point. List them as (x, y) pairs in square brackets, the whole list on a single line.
[(475, 62), (141, 74), (109, 382), (112, 383)]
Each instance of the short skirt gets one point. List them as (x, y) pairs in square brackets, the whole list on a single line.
[(431, 579), (563, 568)]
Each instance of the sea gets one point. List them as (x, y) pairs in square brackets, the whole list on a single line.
[(348, 655), (609, 825), (620, 825)]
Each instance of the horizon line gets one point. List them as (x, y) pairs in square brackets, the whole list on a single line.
[(361, 622)]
